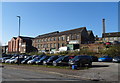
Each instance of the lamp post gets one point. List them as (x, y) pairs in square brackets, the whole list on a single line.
[(19, 35)]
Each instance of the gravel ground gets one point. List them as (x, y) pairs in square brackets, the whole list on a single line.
[(102, 71)]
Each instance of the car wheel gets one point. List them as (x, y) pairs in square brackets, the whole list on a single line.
[(44, 63), (54, 64), (90, 65)]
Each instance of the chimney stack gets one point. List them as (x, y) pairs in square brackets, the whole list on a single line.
[(103, 20)]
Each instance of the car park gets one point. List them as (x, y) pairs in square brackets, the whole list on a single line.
[(105, 59), (40, 61), (116, 59), (81, 60), (50, 60), (63, 60)]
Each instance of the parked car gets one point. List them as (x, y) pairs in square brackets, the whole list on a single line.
[(108, 43), (63, 60), (94, 58), (13, 60), (116, 59), (3, 59), (50, 60), (115, 42), (105, 59), (81, 60), (34, 59), (8, 60), (40, 61), (20, 60), (26, 60)]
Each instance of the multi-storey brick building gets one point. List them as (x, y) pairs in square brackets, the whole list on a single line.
[(55, 40), (20, 44), (111, 37)]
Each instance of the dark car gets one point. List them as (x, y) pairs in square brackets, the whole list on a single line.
[(26, 60), (35, 59), (81, 60), (40, 61), (50, 60), (105, 59), (19, 60), (115, 42), (94, 58), (63, 60), (116, 59)]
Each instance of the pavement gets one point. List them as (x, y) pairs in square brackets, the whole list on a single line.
[(101, 71)]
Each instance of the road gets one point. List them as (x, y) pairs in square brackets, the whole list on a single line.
[(101, 71)]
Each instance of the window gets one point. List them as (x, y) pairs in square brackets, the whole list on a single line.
[(118, 38), (111, 38), (62, 44), (38, 45), (39, 40), (50, 39), (59, 38), (50, 45), (54, 45), (72, 36), (68, 38), (115, 38), (46, 39), (77, 36), (62, 38), (54, 38)]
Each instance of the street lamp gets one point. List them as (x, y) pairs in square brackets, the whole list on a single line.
[(19, 35)]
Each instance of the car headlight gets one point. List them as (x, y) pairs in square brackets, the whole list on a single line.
[(59, 61)]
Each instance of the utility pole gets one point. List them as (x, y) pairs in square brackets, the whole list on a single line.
[(18, 36), (19, 24)]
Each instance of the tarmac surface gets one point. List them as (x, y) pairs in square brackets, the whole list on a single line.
[(101, 71)]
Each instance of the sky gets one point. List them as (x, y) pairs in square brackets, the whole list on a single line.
[(44, 17)]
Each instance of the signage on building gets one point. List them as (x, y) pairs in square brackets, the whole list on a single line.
[(74, 42)]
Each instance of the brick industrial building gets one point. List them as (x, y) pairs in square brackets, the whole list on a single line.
[(111, 37), (20, 44), (55, 40)]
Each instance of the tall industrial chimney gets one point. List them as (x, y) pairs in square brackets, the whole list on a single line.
[(103, 20)]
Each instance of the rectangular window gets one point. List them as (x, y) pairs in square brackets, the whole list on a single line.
[(115, 38), (118, 38), (111, 38), (62, 38), (54, 38), (68, 38), (59, 38), (77, 36), (54, 45)]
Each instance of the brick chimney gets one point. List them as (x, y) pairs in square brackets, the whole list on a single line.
[(103, 20)]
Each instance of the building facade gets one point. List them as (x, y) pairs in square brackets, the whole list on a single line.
[(20, 44), (55, 40), (111, 37), (5, 49)]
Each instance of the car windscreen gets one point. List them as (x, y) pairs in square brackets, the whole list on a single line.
[(60, 58), (76, 57), (43, 57), (117, 57)]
